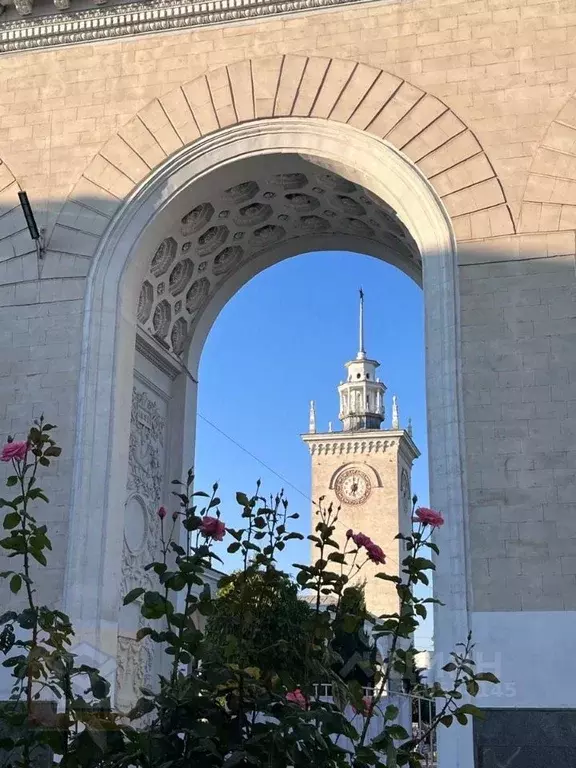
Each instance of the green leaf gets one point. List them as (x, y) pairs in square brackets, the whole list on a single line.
[(11, 520), (447, 720), (15, 583), (462, 719), (38, 556), (12, 480), (133, 595), (471, 709), (487, 677), (450, 667), (390, 713), (53, 450), (472, 687), (397, 732)]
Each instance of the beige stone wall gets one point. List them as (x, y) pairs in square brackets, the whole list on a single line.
[(505, 68), (478, 94), (518, 351)]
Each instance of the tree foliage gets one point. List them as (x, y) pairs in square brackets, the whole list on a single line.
[(272, 631)]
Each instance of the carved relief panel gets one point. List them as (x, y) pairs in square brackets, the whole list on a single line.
[(405, 491), (146, 472)]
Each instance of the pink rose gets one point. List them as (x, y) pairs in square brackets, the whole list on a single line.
[(429, 517), (162, 513), (297, 697), (361, 540), (349, 533), (376, 554), (366, 707), (212, 528), (174, 516), (14, 450)]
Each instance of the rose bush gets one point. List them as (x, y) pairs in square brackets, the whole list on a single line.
[(219, 710)]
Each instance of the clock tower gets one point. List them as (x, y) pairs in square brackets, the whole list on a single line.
[(365, 470)]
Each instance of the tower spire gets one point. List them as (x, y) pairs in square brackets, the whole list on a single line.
[(361, 351), (395, 413), (312, 418)]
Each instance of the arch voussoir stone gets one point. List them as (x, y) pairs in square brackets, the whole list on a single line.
[(340, 90), (549, 202)]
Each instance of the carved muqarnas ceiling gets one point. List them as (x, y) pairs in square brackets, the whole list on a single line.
[(217, 236)]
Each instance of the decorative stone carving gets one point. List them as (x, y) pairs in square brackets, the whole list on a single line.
[(141, 535), (335, 447), (241, 192), (268, 235), (178, 335), (405, 490), (162, 318), (197, 294), (145, 302), (197, 219), (348, 205), (260, 218), (253, 214), (302, 203), (146, 451), (314, 224), (180, 276), (227, 259), (357, 227), (133, 671), (133, 18), (164, 256), (212, 239), (290, 180)]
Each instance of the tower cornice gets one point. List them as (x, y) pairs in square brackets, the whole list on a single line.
[(362, 443)]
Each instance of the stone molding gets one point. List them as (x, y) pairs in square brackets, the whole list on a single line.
[(142, 18), (356, 443), (347, 446), (339, 91)]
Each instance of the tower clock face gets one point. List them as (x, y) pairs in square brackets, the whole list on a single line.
[(353, 487)]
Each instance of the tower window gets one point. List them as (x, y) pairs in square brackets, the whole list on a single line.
[(367, 375), (358, 375)]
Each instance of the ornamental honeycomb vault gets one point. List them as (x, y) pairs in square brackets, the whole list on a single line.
[(240, 223)]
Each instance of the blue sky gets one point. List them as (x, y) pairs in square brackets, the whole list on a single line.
[(282, 341)]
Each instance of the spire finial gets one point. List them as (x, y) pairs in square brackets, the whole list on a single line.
[(395, 413), (409, 427), (361, 351), (312, 418)]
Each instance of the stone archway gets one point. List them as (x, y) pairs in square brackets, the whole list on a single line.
[(110, 329)]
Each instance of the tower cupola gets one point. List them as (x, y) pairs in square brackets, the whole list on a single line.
[(362, 394)]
